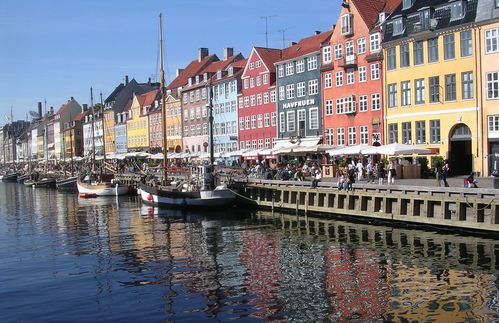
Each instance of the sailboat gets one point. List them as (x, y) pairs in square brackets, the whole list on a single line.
[(93, 184), (170, 194), (69, 184)]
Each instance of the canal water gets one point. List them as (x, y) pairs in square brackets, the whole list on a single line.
[(68, 259)]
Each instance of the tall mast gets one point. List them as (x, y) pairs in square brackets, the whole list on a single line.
[(210, 111), (163, 100), (71, 142), (103, 132), (93, 130)]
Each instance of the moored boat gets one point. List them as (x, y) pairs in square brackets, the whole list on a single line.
[(68, 184), (12, 177), (22, 178), (101, 188), (48, 182)]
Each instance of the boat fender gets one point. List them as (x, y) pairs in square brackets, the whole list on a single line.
[(149, 197)]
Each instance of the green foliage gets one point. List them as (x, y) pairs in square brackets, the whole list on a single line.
[(437, 161), (423, 161)]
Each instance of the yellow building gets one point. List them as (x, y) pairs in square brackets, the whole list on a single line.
[(489, 35), (137, 125), (109, 136), (431, 95), (173, 124)]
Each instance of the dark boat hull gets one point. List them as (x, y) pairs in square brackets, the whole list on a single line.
[(46, 182), (67, 184), (10, 177)]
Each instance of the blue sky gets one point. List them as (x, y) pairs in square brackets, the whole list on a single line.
[(54, 49)]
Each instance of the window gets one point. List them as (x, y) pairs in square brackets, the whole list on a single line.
[(312, 63), (375, 71), (326, 55), (290, 91), (493, 122), (329, 107), (404, 55), (330, 136), (339, 106), (466, 46), (328, 80), (456, 10), (363, 103), (281, 93), (492, 40), (339, 78), (245, 83), (258, 100), (406, 133), (362, 74), (434, 89), (420, 132), (406, 4), (258, 80), (449, 50), (272, 96), (450, 87), (420, 92), (300, 89), (352, 136), (493, 85), (290, 68), (364, 135), (301, 122), (393, 133), (280, 71), (246, 101), (374, 42), (341, 136), (252, 82), (418, 53), (392, 95), (247, 123), (349, 50), (266, 121), (467, 85), (260, 121), (253, 122), (392, 59), (273, 119), (291, 121), (433, 50), (313, 115), (241, 123), (398, 26), (361, 45), (265, 79), (267, 142), (405, 89), (313, 87), (265, 97), (251, 66), (300, 66), (338, 51), (375, 101), (346, 24), (435, 131), (350, 76), (252, 100)]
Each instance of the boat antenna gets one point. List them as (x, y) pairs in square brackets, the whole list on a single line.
[(93, 130), (210, 111), (163, 101), (103, 130)]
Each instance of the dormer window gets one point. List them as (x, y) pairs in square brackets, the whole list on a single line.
[(205, 77), (219, 75), (406, 4), (456, 10), (197, 79), (190, 81), (231, 71), (381, 17), (346, 24), (398, 26)]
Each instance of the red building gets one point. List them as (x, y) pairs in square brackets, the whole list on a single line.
[(257, 110), (352, 82)]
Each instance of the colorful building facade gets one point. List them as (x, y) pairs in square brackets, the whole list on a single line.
[(137, 124), (257, 103), (430, 55)]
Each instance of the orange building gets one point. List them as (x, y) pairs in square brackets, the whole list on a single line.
[(351, 75)]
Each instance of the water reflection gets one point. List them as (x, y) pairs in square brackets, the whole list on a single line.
[(113, 259)]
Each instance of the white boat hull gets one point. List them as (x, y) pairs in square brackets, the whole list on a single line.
[(107, 189), (220, 196)]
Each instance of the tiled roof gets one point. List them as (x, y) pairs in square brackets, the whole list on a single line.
[(191, 70), (80, 116), (148, 98), (65, 105), (306, 46), (269, 56), (221, 65), (369, 10)]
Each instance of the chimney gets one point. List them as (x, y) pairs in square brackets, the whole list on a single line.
[(84, 107), (51, 110), (293, 43), (126, 79), (228, 52), (149, 80), (202, 53), (317, 32), (39, 109), (179, 70), (71, 99)]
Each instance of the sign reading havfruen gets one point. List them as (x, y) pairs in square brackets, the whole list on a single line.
[(297, 104)]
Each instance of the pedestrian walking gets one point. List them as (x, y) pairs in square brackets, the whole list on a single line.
[(370, 172), (381, 172), (392, 172), (360, 170), (444, 171)]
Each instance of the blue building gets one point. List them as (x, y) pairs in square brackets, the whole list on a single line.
[(226, 85)]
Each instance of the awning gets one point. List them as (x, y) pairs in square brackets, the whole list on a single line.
[(287, 147), (396, 149), (347, 150), (251, 153)]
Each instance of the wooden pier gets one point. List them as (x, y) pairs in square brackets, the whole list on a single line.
[(463, 208)]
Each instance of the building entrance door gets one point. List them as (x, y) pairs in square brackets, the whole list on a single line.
[(460, 155)]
